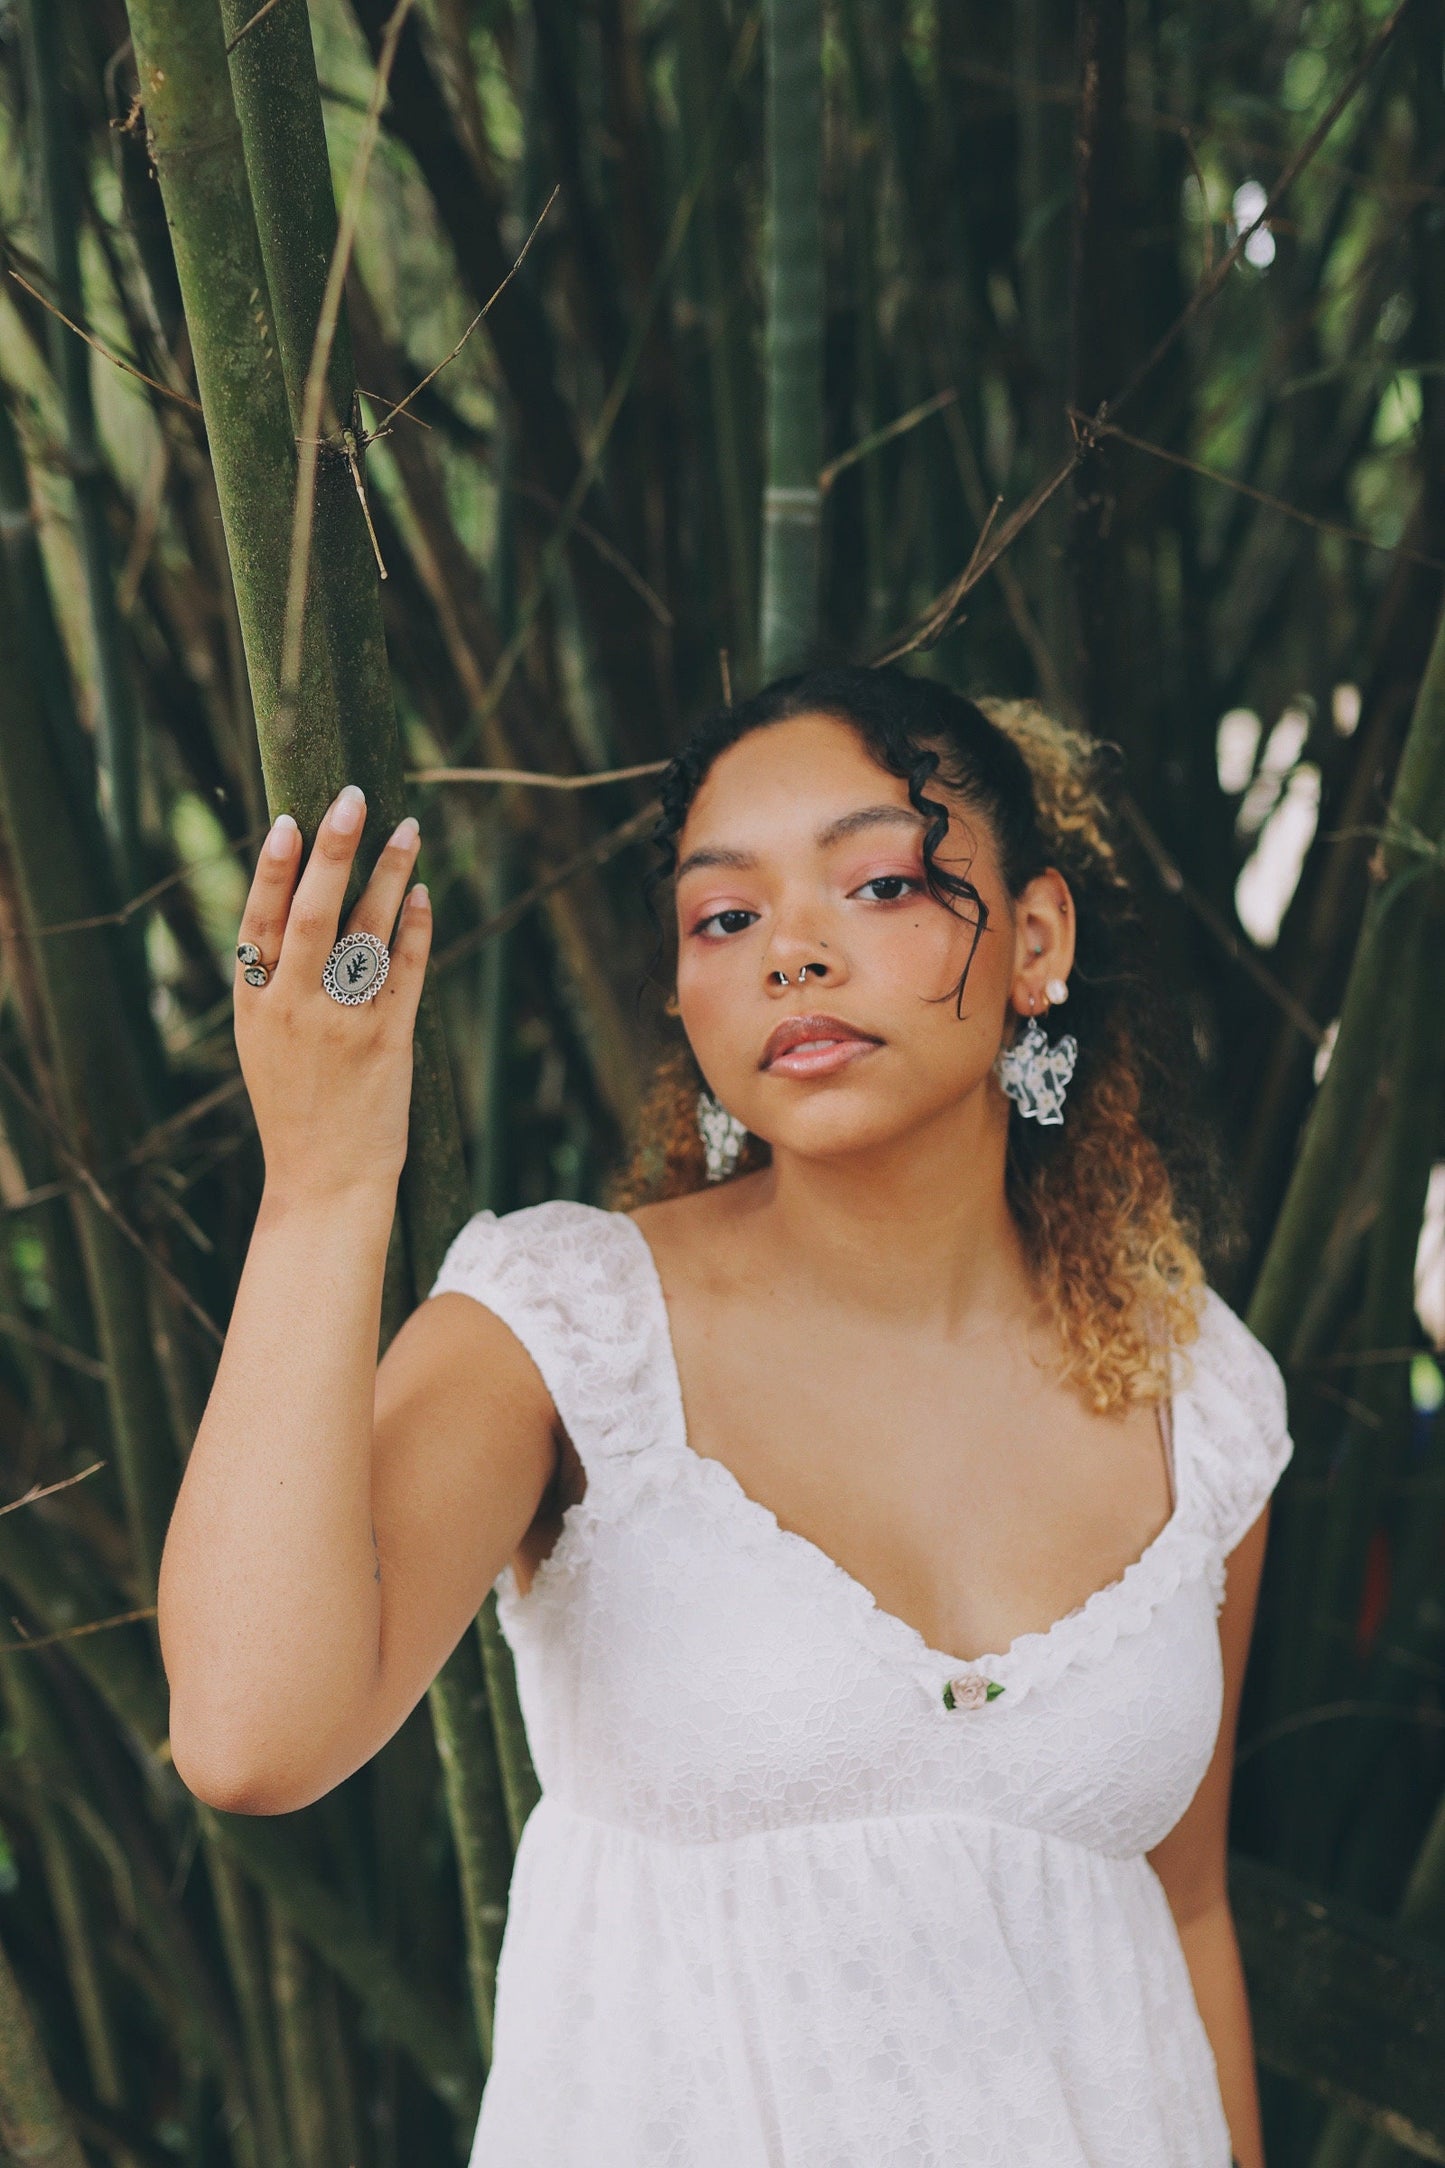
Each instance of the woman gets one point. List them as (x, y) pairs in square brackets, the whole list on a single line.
[(767, 1468)]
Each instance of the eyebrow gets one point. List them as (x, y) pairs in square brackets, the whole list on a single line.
[(847, 824)]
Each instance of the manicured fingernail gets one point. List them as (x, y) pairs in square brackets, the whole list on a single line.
[(407, 832), (419, 897), (282, 836)]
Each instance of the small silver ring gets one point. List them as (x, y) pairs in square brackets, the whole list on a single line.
[(253, 970), (356, 969)]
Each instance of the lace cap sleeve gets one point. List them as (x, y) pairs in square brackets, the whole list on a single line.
[(572, 1282), (1241, 1441)]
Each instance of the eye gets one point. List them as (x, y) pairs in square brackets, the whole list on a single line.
[(724, 923), (888, 888)]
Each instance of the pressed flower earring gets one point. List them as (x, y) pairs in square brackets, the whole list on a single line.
[(1035, 1074), (722, 1136)]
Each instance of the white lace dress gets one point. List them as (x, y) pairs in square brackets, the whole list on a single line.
[(780, 1906)]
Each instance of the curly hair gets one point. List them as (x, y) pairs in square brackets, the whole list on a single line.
[(1109, 1205)]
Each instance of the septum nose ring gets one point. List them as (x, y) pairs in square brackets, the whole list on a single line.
[(803, 970)]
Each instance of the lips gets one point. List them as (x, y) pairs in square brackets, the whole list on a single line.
[(806, 1046)]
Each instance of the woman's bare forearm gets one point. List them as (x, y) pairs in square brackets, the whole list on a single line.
[(269, 1601), (269, 1604), (1211, 1950)]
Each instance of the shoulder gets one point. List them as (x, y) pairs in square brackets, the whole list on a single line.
[(536, 1251), (1234, 1393), (577, 1287)]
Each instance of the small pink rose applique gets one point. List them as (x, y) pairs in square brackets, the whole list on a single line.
[(970, 1690)]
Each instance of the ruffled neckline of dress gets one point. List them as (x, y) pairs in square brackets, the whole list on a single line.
[(1182, 1548)]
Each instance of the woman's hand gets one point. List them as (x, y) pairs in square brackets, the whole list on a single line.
[(330, 1085)]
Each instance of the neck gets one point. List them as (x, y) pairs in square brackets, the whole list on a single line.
[(918, 1227)]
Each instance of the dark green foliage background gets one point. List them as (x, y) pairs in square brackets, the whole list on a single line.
[(1019, 206)]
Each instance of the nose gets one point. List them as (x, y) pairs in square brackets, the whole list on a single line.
[(798, 959), (781, 978)]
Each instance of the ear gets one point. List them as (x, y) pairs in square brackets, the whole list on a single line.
[(1043, 943)]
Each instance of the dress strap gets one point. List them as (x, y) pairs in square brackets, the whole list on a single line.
[(577, 1287), (1232, 1425)]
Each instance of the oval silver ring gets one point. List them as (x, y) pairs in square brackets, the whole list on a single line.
[(356, 969)]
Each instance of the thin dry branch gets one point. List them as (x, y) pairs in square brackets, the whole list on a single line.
[(106, 353), (403, 404), (879, 437), (1211, 285), (596, 854), (314, 394), (1177, 883), (1273, 503), (105, 1203), (76, 1633), (612, 405), (38, 1491), (929, 629), (532, 778), (247, 27)]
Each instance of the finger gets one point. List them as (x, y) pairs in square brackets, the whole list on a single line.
[(263, 921), (409, 952), (320, 892), (376, 907)]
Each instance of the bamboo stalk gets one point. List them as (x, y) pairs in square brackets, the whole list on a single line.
[(421, 2023), (100, 1093), (31, 1722), (246, 1967), (519, 1779), (475, 1803), (591, 942), (1414, 823), (419, 2019), (33, 2121), (195, 142), (522, 340), (184, 69), (1097, 364), (59, 225), (1375, 1442), (295, 1992), (792, 500)]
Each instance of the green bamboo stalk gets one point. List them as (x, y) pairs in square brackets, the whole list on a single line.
[(246, 1969), (1043, 40), (33, 2123), (589, 940), (276, 146), (1414, 824), (58, 221), (519, 1779), (419, 2020), (792, 500), (1343, 2144), (480, 1832), (295, 1991), (278, 111), (32, 1725), (339, 2069), (101, 1099), (278, 106), (1374, 1444), (423, 2025), (702, 62), (195, 143)]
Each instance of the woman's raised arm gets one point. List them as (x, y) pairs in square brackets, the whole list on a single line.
[(337, 1527)]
